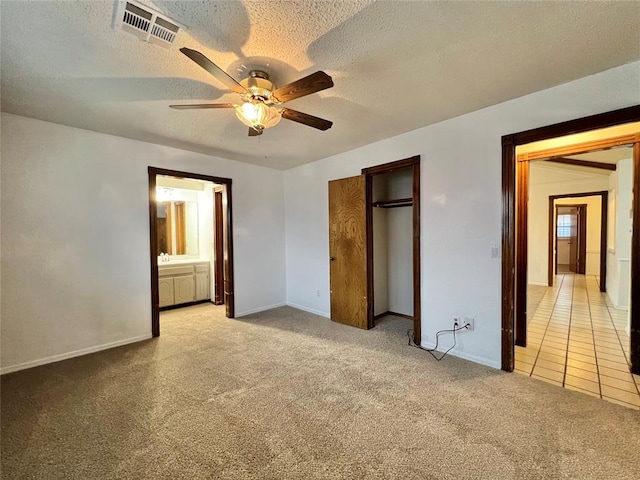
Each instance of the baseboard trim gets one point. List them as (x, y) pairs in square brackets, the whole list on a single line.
[(395, 314), (259, 309), (539, 284), (466, 356), (75, 353), (188, 304), (307, 309)]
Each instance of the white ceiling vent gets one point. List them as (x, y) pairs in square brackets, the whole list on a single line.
[(146, 23)]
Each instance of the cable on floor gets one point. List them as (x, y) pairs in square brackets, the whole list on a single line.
[(431, 350)]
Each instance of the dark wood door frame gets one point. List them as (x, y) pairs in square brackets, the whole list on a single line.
[(153, 241), (414, 164), (604, 222), (514, 255)]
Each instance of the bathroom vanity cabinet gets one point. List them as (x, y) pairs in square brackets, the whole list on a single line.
[(183, 283)]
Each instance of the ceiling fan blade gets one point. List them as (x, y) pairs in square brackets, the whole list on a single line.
[(199, 106), (305, 86), (214, 70), (310, 120), (253, 132)]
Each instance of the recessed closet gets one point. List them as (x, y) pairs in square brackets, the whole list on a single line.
[(374, 245), (392, 222)]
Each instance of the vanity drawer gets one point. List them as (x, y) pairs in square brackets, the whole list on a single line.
[(177, 270), (202, 268)]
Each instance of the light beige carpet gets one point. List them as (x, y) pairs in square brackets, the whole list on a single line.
[(286, 394)]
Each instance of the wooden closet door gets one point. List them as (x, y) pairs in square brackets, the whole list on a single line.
[(347, 251)]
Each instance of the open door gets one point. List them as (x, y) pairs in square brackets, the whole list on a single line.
[(582, 239), (578, 239), (573, 240), (229, 282), (218, 242), (348, 251)]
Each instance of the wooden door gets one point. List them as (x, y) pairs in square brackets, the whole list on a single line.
[(573, 241), (581, 219), (218, 240), (229, 295), (347, 251)]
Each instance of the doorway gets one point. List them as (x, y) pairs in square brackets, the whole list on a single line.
[(515, 210), (571, 238), (393, 242), (568, 247), (374, 245), (218, 245), (166, 237)]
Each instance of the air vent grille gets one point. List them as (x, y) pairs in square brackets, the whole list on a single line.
[(162, 33), (145, 23), (135, 19)]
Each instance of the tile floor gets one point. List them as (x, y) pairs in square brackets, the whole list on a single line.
[(577, 340)]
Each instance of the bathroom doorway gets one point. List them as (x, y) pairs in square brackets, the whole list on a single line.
[(189, 265)]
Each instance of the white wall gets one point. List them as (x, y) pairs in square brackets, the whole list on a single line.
[(400, 259), (460, 205), (400, 243), (564, 251), (612, 262), (206, 223), (619, 254), (546, 180), (75, 239)]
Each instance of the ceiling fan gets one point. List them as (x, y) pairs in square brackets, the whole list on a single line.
[(260, 99)]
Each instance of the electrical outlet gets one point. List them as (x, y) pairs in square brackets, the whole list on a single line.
[(469, 323), (456, 322), (317, 293)]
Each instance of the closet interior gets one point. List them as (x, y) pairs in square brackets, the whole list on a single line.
[(392, 228)]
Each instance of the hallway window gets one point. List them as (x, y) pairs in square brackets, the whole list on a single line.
[(564, 226)]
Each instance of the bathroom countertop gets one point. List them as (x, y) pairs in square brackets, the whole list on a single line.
[(182, 262)]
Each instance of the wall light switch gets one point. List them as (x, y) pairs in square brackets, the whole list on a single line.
[(495, 252)]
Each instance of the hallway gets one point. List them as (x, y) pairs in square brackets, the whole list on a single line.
[(577, 340)]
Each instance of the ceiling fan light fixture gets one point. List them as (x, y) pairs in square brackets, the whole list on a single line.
[(259, 99), (258, 115), (258, 87)]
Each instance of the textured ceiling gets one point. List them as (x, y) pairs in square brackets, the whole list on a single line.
[(397, 66)]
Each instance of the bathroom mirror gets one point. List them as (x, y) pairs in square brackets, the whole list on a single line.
[(177, 227)]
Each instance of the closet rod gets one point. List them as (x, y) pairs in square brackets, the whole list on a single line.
[(400, 202)]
